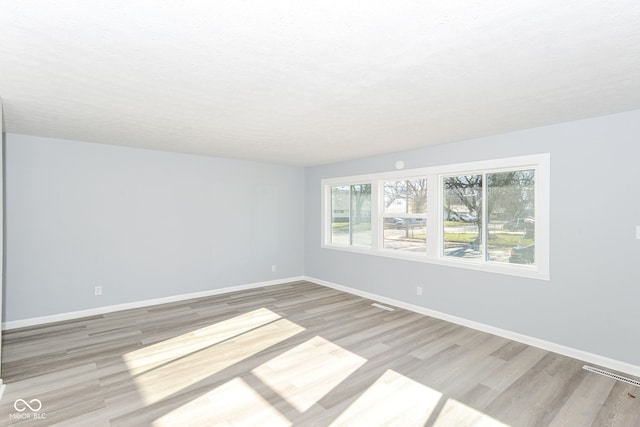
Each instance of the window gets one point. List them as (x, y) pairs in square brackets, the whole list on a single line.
[(404, 219), (351, 215), (490, 215), (507, 233), (463, 216)]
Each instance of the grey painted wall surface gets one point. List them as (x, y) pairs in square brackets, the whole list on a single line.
[(142, 224), (591, 301)]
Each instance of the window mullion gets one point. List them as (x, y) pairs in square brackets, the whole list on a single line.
[(327, 221), (434, 216), (376, 217), (350, 216), (485, 217)]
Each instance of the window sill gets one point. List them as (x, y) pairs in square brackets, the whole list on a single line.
[(519, 270)]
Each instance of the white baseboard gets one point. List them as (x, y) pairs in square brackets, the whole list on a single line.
[(13, 324), (525, 339)]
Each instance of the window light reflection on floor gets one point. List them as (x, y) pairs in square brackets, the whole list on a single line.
[(455, 413), (393, 399), (295, 380), (165, 368), (233, 403), (306, 373), (157, 354)]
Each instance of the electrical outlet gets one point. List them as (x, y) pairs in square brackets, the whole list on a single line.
[(98, 291), (273, 268), (419, 290)]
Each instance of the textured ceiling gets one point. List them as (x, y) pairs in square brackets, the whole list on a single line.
[(309, 82)]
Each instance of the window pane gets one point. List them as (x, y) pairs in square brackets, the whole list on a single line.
[(407, 196), (417, 195), (361, 215), (463, 216), (395, 200), (511, 210), (405, 234), (340, 215), (403, 229)]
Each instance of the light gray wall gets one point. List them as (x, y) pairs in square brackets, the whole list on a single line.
[(142, 224), (591, 302)]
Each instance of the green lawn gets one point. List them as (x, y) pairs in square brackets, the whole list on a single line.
[(495, 239), (511, 240), (455, 223), (459, 237)]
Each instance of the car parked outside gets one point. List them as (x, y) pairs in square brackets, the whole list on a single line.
[(468, 217), (391, 221), (411, 222), (452, 216), (519, 224)]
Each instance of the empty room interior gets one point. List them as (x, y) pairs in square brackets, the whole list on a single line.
[(421, 213)]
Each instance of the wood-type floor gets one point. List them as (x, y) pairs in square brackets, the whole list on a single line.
[(294, 354)]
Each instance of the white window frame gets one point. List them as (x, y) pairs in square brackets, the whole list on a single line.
[(435, 215), (328, 214)]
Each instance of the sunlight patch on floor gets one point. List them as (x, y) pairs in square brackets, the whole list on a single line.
[(233, 403), (393, 399), (184, 370), (157, 354), (455, 413), (306, 373)]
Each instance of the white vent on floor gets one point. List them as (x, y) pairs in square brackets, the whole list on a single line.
[(610, 375), (384, 307)]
